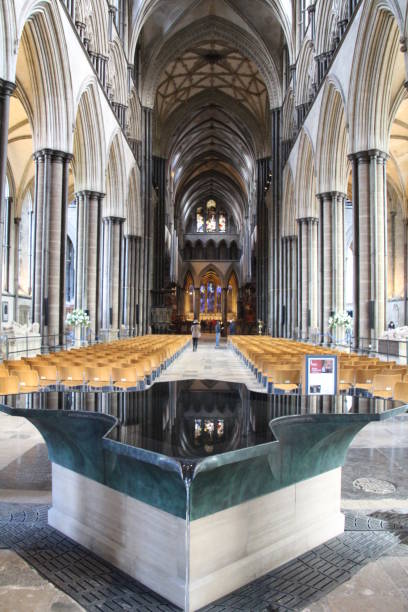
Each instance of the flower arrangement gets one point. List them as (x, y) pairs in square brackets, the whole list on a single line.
[(77, 318), (341, 319)]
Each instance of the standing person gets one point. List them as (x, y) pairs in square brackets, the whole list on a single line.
[(195, 333), (232, 328), (217, 334)]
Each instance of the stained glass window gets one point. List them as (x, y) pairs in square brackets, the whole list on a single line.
[(202, 298), (211, 225), (218, 299), (200, 220), (210, 297), (222, 222)]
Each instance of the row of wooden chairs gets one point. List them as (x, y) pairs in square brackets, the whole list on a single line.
[(121, 365), (278, 364)]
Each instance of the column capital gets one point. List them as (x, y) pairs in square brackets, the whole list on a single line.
[(366, 156), (6, 88), (329, 195), (113, 219), (308, 220), (55, 155), (96, 195)]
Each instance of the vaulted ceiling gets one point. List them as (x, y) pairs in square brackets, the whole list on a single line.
[(212, 70)]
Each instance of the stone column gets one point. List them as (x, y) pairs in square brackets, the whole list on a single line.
[(369, 242), (6, 89), (197, 302), (224, 306), (406, 272), (284, 291), (393, 214), (87, 255), (146, 190), (50, 202), (129, 293), (293, 285), (307, 275), (159, 181), (7, 214), (16, 280), (127, 262), (276, 177), (93, 280), (112, 266), (82, 202), (326, 260)]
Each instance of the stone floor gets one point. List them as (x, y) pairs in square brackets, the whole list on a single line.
[(365, 570)]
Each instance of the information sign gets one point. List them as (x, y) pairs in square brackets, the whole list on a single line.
[(321, 375)]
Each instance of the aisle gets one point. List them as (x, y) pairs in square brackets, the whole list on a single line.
[(211, 363)]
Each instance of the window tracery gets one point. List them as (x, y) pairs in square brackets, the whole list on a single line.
[(210, 220)]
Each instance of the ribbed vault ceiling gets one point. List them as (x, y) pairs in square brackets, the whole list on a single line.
[(212, 146), (213, 66)]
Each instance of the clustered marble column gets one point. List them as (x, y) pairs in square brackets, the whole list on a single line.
[(111, 275), (331, 256), (159, 180), (276, 119), (130, 280), (87, 268), (262, 225), (196, 302), (224, 305), (147, 239), (6, 89), (50, 208), (307, 274), (16, 281), (369, 244), (289, 260)]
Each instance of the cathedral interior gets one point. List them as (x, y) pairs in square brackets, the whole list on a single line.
[(233, 161)]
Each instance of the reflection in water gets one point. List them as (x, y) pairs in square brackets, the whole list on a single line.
[(195, 418)]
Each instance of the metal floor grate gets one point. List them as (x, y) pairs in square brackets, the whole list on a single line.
[(97, 586)]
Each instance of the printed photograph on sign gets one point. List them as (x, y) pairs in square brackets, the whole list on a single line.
[(321, 375)]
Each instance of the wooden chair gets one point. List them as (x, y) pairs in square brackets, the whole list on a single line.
[(47, 375), (286, 381), (401, 392), (71, 376), (383, 385), (28, 379), (9, 386), (126, 378), (98, 377)]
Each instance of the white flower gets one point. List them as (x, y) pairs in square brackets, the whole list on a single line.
[(341, 319), (78, 317)]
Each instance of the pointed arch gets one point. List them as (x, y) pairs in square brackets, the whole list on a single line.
[(133, 204), (117, 72), (115, 201), (51, 96), (89, 142), (326, 26), (8, 36), (288, 123), (332, 143), (305, 180), (288, 204), (305, 73), (375, 59)]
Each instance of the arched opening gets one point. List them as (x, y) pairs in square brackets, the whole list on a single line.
[(232, 298), (189, 297), (210, 296)]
